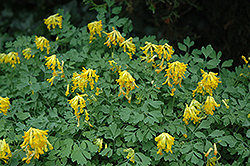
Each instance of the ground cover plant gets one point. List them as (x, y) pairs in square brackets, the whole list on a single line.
[(97, 96)]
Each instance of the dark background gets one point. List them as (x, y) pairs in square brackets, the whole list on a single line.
[(225, 24)]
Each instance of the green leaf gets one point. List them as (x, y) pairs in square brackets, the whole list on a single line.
[(155, 104), (185, 148), (139, 135), (213, 63), (142, 159), (227, 63), (216, 133), (207, 51), (248, 133), (125, 113), (78, 156), (116, 10), (182, 47), (188, 156), (23, 115), (110, 2), (67, 146), (200, 134), (205, 124)]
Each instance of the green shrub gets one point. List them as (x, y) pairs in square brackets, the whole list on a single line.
[(105, 98)]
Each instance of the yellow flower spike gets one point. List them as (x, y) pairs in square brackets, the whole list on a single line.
[(210, 105), (98, 142), (27, 53), (42, 42), (51, 80), (175, 71), (97, 91), (11, 58), (245, 59), (163, 139), (37, 140), (53, 20), (149, 47), (67, 91), (90, 75), (172, 92), (208, 83), (86, 115), (131, 154), (114, 37), (94, 27), (166, 50), (130, 46), (4, 105), (215, 149), (78, 103), (114, 66), (185, 135), (127, 81), (5, 152), (52, 61), (206, 154), (225, 101)]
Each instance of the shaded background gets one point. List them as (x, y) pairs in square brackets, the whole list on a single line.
[(224, 24)]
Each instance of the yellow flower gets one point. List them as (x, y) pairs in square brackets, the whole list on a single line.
[(54, 74), (42, 42), (5, 152), (163, 139), (208, 83), (149, 47), (192, 111), (185, 135), (53, 20), (52, 61), (244, 58), (130, 46), (131, 154), (127, 81), (248, 116), (4, 105), (78, 103), (97, 91), (11, 58), (81, 80), (37, 140), (114, 37), (67, 91), (166, 50), (225, 101), (114, 66), (27, 53), (210, 105), (94, 27), (172, 92), (175, 71), (98, 142)]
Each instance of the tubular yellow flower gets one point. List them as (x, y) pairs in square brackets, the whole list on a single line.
[(94, 27), (208, 83), (42, 42), (78, 103), (5, 152), (192, 111), (149, 47), (131, 154), (225, 101), (206, 154), (245, 59), (55, 74), (210, 105), (130, 46), (114, 66), (163, 139), (166, 50), (11, 58), (98, 142), (175, 71), (4, 105), (37, 140), (53, 20), (27, 53), (52, 61), (67, 91), (127, 81), (114, 37)]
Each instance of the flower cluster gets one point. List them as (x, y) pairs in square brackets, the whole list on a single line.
[(42, 42), (78, 103), (127, 81), (53, 20), (11, 58), (163, 139), (4, 105), (51, 63), (128, 44), (162, 52), (115, 67), (192, 111), (114, 37), (131, 154), (210, 105), (98, 142), (94, 27), (5, 152), (35, 143), (207, 84), (27, 53)]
